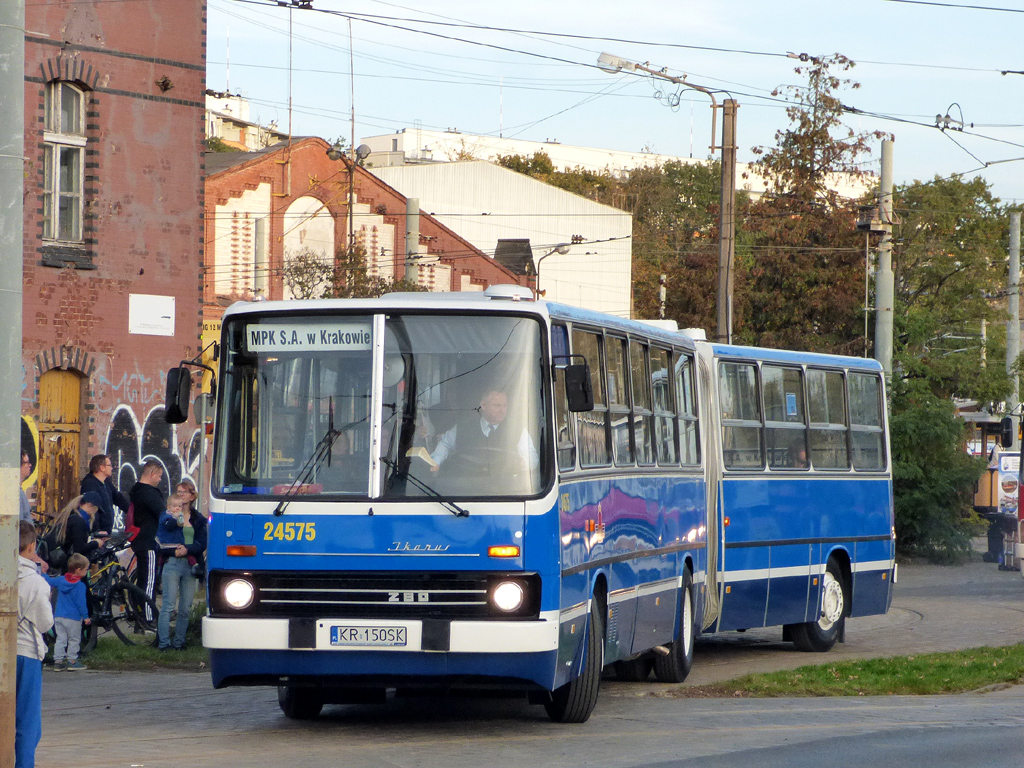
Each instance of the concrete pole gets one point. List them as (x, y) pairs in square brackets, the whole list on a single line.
[(1013, 325), (884, 282), (727, 222), (12, 170), (412, 240)]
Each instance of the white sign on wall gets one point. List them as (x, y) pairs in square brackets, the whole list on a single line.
[(150, 315)]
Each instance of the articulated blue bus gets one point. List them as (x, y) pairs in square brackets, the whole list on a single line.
[(479, 490)]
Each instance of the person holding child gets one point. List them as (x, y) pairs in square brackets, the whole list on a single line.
[(70, 613), (182, 537), (34, 618)]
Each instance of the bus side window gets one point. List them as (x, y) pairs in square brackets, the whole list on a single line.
[(826, 404), (866, 421), (785, 430), (741, 417), (592, 426), (643, 418), (565, 442), (664, 413), (686, 405), (618, 399)]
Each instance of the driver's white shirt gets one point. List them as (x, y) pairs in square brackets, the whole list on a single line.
[(525, 448)]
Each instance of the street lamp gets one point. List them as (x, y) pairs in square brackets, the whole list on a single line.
[(727, 220), (337, 152), (561, 249)]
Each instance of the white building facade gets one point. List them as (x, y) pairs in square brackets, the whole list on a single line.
[(491, 206), (416, 145)]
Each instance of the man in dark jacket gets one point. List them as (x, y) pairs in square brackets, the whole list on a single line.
[(98, 481), (148, 504)]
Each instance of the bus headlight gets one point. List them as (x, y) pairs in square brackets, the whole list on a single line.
[(239, 593), (508, 596)]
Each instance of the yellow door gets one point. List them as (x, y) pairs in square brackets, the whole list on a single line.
[(60, 395)]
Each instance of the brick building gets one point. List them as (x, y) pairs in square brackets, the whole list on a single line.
[(266, 207), (114, 114)]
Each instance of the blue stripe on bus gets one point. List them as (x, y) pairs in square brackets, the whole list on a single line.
[(351, 666)]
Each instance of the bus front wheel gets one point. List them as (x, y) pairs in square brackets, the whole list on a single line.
[(819, 636), (675, 667), (299, 703), (574, 701)]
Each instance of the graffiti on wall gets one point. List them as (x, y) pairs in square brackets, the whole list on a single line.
[(30, 445), (131, 444), (134, 388)]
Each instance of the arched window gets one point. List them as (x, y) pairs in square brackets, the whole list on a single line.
[(63, 161)]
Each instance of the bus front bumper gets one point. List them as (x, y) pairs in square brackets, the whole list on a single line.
[(383, 635)]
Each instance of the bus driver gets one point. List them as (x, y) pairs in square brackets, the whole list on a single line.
[(485, 441)]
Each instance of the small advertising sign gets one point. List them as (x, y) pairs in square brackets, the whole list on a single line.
[(1009, 470)]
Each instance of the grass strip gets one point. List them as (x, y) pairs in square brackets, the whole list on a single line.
[(921, 674)]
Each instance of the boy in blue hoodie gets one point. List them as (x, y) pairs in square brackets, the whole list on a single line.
[(71, 612)]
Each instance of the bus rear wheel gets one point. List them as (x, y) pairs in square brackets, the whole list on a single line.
[(675, 667), (819, 636), (299, 703), (574, 701)]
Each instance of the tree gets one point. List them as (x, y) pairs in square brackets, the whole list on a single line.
[(800, 270), (950, 270), (308, 274)]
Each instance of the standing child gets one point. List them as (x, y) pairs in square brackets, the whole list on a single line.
[(34, 617), (70, 614)]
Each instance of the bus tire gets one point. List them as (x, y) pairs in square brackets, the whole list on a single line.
[(675, 667), (299, 703), (574, 701), (634, 670), (819, 636)]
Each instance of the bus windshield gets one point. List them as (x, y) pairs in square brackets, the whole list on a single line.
[(461, 407)]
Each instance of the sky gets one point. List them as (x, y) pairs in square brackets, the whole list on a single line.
[(914, 60)]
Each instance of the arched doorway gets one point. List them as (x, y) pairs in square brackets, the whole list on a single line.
[(60, 428)]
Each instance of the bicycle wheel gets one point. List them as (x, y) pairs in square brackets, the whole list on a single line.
[(125, 605)]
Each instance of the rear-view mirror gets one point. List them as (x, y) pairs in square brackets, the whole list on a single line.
[(1006, 432), (179, 392), (578, 390)]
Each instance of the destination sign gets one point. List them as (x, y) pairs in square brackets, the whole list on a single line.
[(308, 337)]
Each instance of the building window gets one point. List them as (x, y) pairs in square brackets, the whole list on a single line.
[(63, 161)]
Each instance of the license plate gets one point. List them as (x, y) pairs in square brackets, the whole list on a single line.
[(369, 636)]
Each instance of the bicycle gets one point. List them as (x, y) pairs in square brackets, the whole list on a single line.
[(115, 601)]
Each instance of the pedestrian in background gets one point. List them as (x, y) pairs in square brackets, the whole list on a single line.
[(99, 481), (34, 618), (25, 510), (147, 506), (182, 538), (70, 613)]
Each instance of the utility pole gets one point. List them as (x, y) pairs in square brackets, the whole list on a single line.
[(1013, 325), (412, 239), (12, 174), (727, 222), (884, 282)]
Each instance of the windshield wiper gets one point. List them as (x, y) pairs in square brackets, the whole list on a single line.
[(320, 452), (448, 504)]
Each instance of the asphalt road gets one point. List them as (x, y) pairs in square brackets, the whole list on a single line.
[(150, 720)]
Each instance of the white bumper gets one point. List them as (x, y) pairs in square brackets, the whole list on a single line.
[(466, 636)]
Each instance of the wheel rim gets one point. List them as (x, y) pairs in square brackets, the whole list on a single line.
[(831, 601)]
